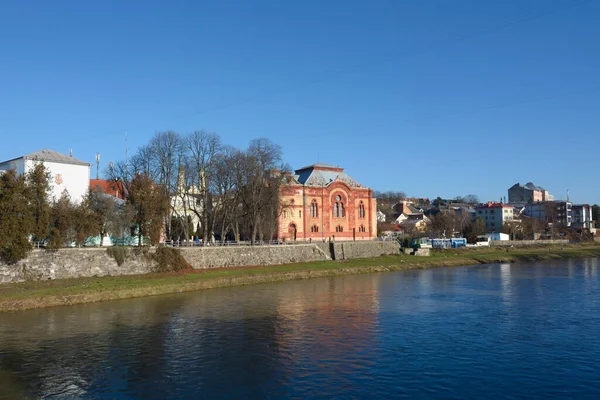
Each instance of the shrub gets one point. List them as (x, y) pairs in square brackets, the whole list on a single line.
[(169, 259), (119, 253)]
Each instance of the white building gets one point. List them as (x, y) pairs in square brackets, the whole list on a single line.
[(495, 215), (66, 173)]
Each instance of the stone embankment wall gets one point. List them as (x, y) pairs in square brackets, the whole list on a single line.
[(360, 249), (71, 263), (521, 243), (240, 256), (88, 262)]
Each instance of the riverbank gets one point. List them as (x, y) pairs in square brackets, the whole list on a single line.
[(27, 295)]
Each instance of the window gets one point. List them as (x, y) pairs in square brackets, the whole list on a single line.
[(338, 207), (361, 228), (314, 209), (314, 228), (284, 214), (361, 210), (299, 214), (339, 228)]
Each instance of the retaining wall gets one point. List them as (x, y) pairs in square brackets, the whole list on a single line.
[(71, 263), (362, 249), (88, 262), (519, 243), (239, 256)]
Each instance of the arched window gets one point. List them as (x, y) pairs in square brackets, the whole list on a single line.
[(339, 228), (361, 210), (314, 228), (314, 209), (361, 228), (338, 207)]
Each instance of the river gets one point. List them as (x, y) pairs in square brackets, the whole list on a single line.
[(487, 331)]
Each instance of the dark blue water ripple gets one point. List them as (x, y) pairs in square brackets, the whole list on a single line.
[(493, 331)]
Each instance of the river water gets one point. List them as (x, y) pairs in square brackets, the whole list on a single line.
[(487, 331)]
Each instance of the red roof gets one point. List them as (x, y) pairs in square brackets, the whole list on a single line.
[(494, 205), (113, 188)]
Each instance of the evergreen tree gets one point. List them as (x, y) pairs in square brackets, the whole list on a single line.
[(38, 185), (16, 219), (149, 205)]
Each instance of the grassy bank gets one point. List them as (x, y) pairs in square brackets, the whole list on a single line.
[(20, 296)]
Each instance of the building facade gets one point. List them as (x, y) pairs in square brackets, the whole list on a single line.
[(551, 212), (321, 202), (495, 215), (582, 216), (528, 193), (66, 173)]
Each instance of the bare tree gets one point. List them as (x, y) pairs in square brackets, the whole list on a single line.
[(259, 188), (226, 202), (471, 199), (204, 150)]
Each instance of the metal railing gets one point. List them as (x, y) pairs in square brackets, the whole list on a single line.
[(229, 243)]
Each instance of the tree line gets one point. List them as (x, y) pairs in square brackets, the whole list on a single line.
[(231, 193), (30, 215)]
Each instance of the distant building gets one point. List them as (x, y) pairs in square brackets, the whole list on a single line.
[(112, 188), (321, 202), (582, 216), (495, 215), (66, 173), (551, 212), (528, 193), (497, 236)]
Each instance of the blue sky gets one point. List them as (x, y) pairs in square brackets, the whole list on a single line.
[(434, 98)]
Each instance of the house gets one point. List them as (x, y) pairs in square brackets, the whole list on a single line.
[(412, 226), (113, 188), (66, 172), (321, 202), (495, 215), (528, 193)]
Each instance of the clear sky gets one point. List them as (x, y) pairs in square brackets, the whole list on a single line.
[(434, 98)]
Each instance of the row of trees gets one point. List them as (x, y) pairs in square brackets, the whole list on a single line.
[(233, 193), (29, 215)]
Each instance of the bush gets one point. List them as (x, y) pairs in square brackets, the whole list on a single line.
[(169, 259), (119, 253)]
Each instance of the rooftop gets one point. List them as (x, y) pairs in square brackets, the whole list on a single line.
[(320, 174), (50, 156), (489, 204)]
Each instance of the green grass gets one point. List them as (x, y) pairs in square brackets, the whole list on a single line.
[(81, 290)]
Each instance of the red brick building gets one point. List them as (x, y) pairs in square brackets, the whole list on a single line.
[(321, 202)]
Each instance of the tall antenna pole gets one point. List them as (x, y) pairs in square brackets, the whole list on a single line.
[(97, 164), (126, 154)]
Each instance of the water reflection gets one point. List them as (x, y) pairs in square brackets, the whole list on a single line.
[(484, 331)]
